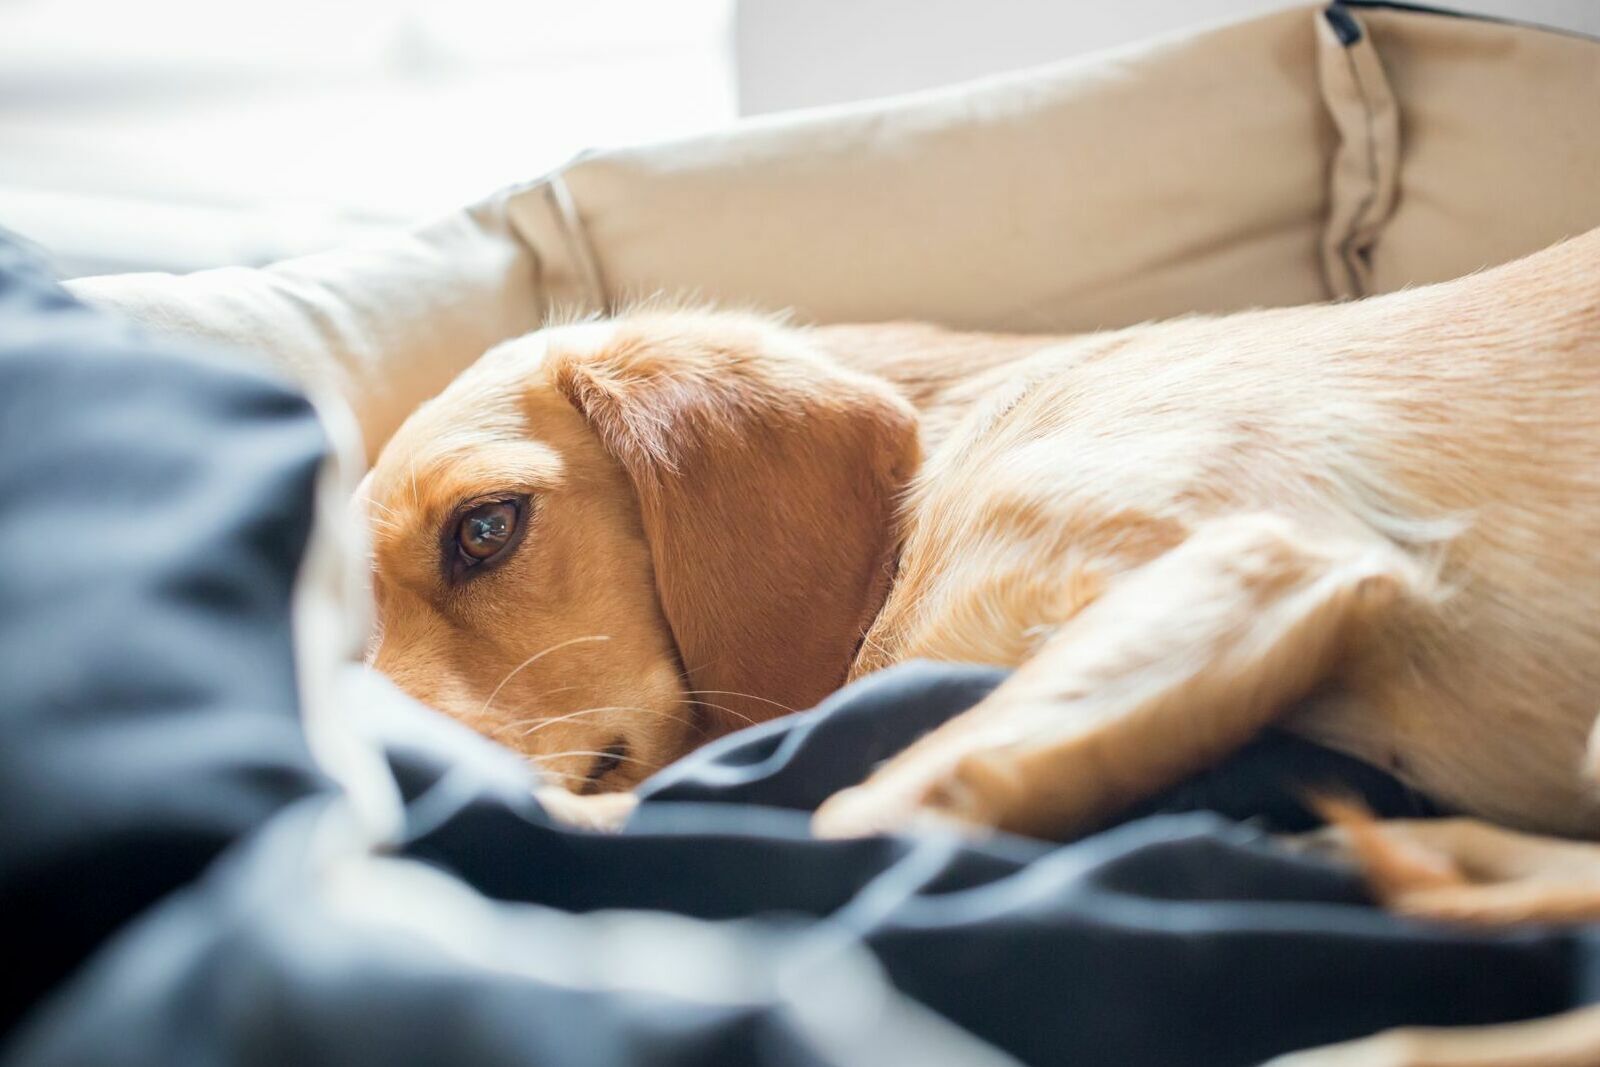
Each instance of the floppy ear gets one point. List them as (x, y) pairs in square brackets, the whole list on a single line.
[(767, 477)]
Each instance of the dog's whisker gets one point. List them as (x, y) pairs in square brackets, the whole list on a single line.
[(536, 657), (496, 731), (723, 708), (524, 721), (565, 776), (748, 696), (540, 724)]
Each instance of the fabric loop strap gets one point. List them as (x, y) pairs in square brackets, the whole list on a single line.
[(579, 247), (1364, 172)]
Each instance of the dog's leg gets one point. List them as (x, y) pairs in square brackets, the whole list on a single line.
[(1465, 872), (1569, 1040), (1175, 665), (1471, 873)]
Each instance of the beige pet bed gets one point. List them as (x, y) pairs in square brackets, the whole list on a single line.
[(1313, 154)]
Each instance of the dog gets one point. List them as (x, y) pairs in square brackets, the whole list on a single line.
[(1375, 523)]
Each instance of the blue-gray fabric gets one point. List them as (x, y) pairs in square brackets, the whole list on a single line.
[(160, 804), (154, 505)]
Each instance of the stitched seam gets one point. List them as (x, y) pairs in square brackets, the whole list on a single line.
[(1347, 243), (578, 245)]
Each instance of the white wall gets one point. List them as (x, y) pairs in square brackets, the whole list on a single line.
[(799, 53)]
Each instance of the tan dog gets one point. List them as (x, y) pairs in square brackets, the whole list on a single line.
[(1377, 523)]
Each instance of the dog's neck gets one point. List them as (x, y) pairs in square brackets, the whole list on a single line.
[(941, 373)]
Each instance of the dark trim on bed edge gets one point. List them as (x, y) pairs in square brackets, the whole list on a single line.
[(1429, 9)]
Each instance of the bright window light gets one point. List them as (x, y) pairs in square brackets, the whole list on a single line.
[(274, 128)]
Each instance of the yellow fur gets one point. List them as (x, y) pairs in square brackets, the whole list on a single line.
[(719, 491)]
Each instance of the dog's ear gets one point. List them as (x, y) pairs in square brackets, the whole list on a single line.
[(768, 479)]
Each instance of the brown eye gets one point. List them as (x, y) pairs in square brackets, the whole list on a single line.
[(486, 530), (608, 759)]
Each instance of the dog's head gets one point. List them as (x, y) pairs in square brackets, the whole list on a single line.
[(606, 543)]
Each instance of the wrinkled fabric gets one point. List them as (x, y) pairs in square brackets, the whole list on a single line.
[(154, 505)]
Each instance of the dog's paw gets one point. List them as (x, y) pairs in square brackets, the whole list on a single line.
[(862, 811), (960, 798), (1393, 857), (603, 812), (1461, 871)]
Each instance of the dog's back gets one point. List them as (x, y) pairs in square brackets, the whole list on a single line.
[(1459, 423)]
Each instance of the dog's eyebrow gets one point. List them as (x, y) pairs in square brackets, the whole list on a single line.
[(483, 470), (437, 487)]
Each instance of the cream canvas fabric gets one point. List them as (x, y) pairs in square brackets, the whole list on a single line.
[(1306, 155), (382, 326), (1500, 143)]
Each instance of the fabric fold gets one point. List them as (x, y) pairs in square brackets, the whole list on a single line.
[(1363, 175)]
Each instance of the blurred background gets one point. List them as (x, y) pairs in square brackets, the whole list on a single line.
[(182, 134)]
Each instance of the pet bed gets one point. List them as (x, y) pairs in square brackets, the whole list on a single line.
[(227, 842)]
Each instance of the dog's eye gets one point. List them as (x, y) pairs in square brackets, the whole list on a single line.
[(609, 759), (485, 531)]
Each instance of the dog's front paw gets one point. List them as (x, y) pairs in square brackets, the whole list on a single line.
[(603, 812), (861, 811), (960, 798)]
